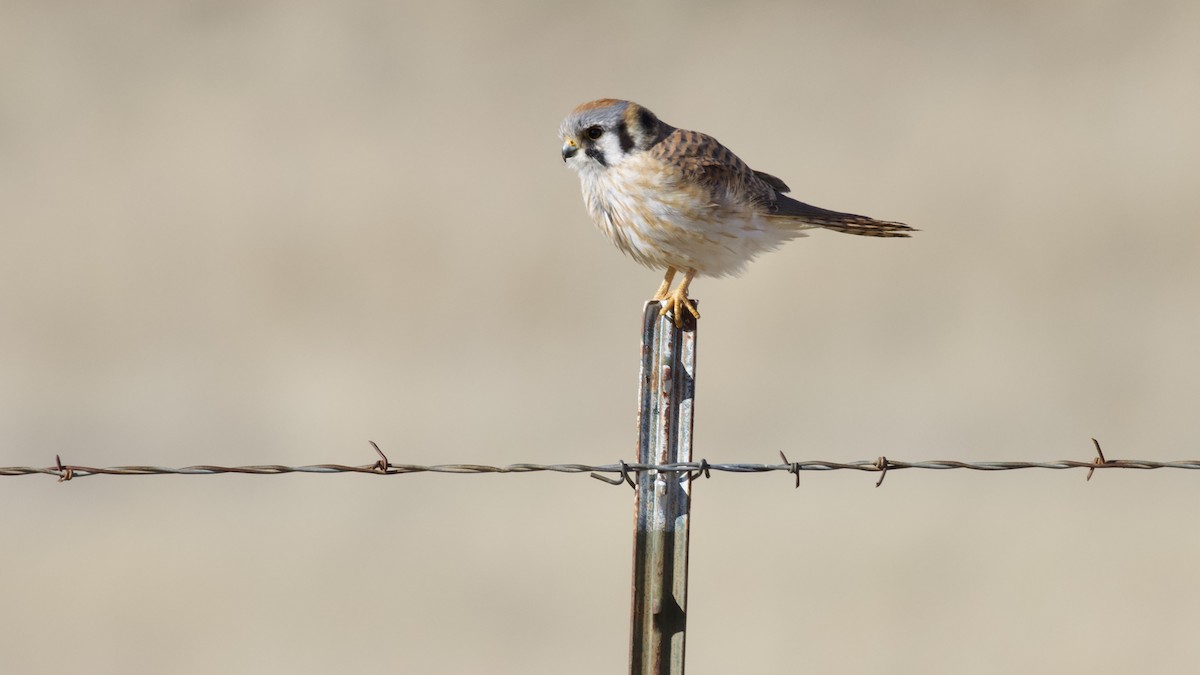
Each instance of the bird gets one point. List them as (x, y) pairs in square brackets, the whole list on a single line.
[(679, 201)]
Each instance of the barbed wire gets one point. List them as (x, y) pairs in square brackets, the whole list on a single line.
[(882, 465)]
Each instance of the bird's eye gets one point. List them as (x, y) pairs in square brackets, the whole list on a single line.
[(594, 133)]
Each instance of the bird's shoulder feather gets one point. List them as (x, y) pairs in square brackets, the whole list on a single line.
[(701, 160)]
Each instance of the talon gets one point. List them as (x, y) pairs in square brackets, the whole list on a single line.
[(686, 304), (677, 300), (691, 308)]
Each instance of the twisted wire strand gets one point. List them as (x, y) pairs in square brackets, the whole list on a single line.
[(882, 465)]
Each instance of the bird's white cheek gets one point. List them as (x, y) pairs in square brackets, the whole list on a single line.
[(610, 145)]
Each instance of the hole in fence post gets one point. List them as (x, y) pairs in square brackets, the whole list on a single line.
[(666, 396)]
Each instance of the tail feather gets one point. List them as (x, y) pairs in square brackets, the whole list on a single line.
[(814, 216), (867, 227)]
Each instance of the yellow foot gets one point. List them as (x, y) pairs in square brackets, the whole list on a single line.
[(677, 300)]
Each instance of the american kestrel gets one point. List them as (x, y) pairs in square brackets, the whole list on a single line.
[(678, 200)]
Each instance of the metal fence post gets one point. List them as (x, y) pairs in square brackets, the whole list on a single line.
[(660, 551)]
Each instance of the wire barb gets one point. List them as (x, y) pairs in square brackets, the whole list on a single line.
[(383, 465), (64, 473), (1098, 461), (792, 467), (882, 464)]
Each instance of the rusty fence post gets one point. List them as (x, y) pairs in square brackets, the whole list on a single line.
[(666, 398)]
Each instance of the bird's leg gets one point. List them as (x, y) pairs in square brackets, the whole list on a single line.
[(677, 300), (661, 293)]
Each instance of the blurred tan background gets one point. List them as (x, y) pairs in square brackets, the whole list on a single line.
[(244, 233)]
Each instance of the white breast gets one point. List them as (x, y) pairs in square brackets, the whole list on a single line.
[(662, 221)]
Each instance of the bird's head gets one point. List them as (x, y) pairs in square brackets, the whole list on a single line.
[(603, 133)]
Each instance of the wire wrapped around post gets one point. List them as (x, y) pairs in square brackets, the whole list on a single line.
[(666, 397)]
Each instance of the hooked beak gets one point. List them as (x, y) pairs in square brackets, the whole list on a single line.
[(569, 149)]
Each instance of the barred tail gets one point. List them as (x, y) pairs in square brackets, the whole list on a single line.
[(812, 216), (866, 227)]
